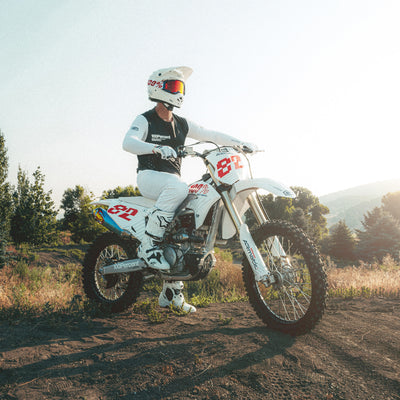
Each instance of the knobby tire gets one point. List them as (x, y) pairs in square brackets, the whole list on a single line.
[(313, 263), (133, 281)]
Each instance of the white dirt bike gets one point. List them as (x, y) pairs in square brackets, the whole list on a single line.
[(282, 269)]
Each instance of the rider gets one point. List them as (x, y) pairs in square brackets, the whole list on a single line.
[(154, 137)]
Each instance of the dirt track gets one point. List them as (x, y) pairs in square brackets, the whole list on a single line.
[(221, 352)]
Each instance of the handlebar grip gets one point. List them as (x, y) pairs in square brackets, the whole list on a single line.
[(180, 151)]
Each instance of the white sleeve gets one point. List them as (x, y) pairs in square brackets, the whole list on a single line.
[(199, 133), (134, 141)]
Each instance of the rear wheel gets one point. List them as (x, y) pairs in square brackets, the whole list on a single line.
[(296, 301), (115, 291)]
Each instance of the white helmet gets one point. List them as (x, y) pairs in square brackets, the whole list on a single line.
[(167, 85)]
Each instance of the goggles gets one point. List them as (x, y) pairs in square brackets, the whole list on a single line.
[(174, 87)]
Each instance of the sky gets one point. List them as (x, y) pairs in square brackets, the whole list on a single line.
[(315, 84)]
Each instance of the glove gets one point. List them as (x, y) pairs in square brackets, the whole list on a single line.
[(249, 147), (165, 152)]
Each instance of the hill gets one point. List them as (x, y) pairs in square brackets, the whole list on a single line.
[(351, 204)]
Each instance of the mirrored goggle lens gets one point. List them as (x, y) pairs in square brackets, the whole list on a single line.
[(174, 87)]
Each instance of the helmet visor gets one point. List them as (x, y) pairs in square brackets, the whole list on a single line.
[(174, 87)]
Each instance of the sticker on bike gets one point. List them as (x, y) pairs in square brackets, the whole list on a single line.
[(224, 166), (123, 212), (199, 188)]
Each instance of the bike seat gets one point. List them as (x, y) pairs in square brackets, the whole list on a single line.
[(139, 201)]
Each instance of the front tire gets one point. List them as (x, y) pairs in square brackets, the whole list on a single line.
[(115, 292), (296, 302)]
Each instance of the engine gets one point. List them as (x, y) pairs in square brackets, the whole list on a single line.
[(184, 247)]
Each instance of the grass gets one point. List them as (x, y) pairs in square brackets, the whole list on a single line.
[(51, 293), (365, 280), (29, 289), (149, 307)]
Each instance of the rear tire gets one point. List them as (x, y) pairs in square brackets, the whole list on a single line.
[(115, 292), (296, 302)]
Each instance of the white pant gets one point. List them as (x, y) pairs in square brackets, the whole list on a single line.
[(168, 189)]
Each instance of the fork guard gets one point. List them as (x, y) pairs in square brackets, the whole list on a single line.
[(256, 262)]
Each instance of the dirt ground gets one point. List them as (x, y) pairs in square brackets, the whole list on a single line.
[(221, 352)]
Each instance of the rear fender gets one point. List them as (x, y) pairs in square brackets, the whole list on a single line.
[(125, 215)]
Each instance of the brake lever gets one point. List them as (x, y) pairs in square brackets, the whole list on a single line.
[(184, 151)]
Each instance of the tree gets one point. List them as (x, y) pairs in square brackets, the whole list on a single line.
[(5, 201), (78, 218), (34, 218), (371, 218), (341, 242), (128, 191), (277, 207), (314, 212), (304, 211), (391, 204), (380, 237), (298, 218)]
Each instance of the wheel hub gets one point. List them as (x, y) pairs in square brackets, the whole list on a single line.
[(284, 276), (111, 280)]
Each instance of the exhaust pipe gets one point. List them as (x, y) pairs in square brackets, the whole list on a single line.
[(123, 267)]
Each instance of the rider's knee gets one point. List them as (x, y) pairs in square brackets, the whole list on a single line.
[(183, 190)]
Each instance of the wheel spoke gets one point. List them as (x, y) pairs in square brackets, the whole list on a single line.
[(282, 302), (293, 282), (290, 297), (306, 296), (111, 255), (304, 310)]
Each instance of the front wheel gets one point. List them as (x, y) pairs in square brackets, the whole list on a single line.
[(114, 292), (296, 301)]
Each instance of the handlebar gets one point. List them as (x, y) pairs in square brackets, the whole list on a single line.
[(185, 151)]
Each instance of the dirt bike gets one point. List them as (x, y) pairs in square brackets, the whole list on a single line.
[(282, 269)]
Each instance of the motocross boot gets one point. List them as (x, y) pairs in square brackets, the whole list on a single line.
[(149, 249), (172, 294)]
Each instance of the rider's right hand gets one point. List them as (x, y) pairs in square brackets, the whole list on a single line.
[(165, 152), (249, 147)]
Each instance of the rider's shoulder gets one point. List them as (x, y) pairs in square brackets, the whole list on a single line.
[(149, 113)]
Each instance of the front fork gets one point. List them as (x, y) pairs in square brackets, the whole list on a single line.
[(261, 272)]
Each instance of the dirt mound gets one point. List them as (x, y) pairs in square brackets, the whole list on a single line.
[(221, 352)]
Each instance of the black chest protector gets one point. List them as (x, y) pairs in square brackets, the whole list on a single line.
[(163, 133)]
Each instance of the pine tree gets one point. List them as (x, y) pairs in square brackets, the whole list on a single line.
[(34, 216), (380, 237), (341, 243), (21, 228), (391, 204), (5, 201), (78, 218)]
